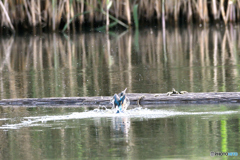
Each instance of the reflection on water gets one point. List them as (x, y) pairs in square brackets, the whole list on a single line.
[(157, 132), (89, 64)]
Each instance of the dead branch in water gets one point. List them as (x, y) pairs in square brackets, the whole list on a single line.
[(135, 98)]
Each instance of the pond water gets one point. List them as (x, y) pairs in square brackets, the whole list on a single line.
[(96, 64), (182, 131)]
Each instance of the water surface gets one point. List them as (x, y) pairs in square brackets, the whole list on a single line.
[(96, 64), (182, 131)]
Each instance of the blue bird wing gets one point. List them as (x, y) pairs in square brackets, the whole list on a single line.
[(122, 98), (116, 100), (119, 101)]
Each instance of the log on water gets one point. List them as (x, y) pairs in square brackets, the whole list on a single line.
[(147, 99)]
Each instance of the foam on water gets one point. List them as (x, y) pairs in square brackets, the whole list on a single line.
[(4, 119), (99, 113)]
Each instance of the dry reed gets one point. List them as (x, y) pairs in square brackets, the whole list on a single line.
[(53, 14)]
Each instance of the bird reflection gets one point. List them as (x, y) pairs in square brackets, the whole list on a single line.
[(122, 124)]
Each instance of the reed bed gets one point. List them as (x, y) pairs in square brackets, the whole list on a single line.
[(74, 14), (95, 64)]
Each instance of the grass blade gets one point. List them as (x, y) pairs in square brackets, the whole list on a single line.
[(67, 24), (104, 27), (118, 21), (109, 4), (135, 15)]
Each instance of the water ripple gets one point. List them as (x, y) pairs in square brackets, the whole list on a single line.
[(99, 113)]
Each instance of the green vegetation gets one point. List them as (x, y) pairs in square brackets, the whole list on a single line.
[(59, 14)]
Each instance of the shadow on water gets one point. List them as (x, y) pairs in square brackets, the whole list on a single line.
[(90, 64)]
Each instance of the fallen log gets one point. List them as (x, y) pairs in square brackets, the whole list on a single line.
[(135, 99)]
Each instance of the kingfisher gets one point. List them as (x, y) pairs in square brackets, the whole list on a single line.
[(121, 102)]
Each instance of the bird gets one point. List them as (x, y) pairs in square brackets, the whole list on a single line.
[(121, 102)]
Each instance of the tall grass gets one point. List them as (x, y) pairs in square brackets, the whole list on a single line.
[(73, 14)]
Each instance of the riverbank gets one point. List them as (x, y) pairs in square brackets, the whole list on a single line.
[(135, 99), (74, 15)]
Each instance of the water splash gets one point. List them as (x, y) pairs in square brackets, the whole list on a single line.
[(100, 113)]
